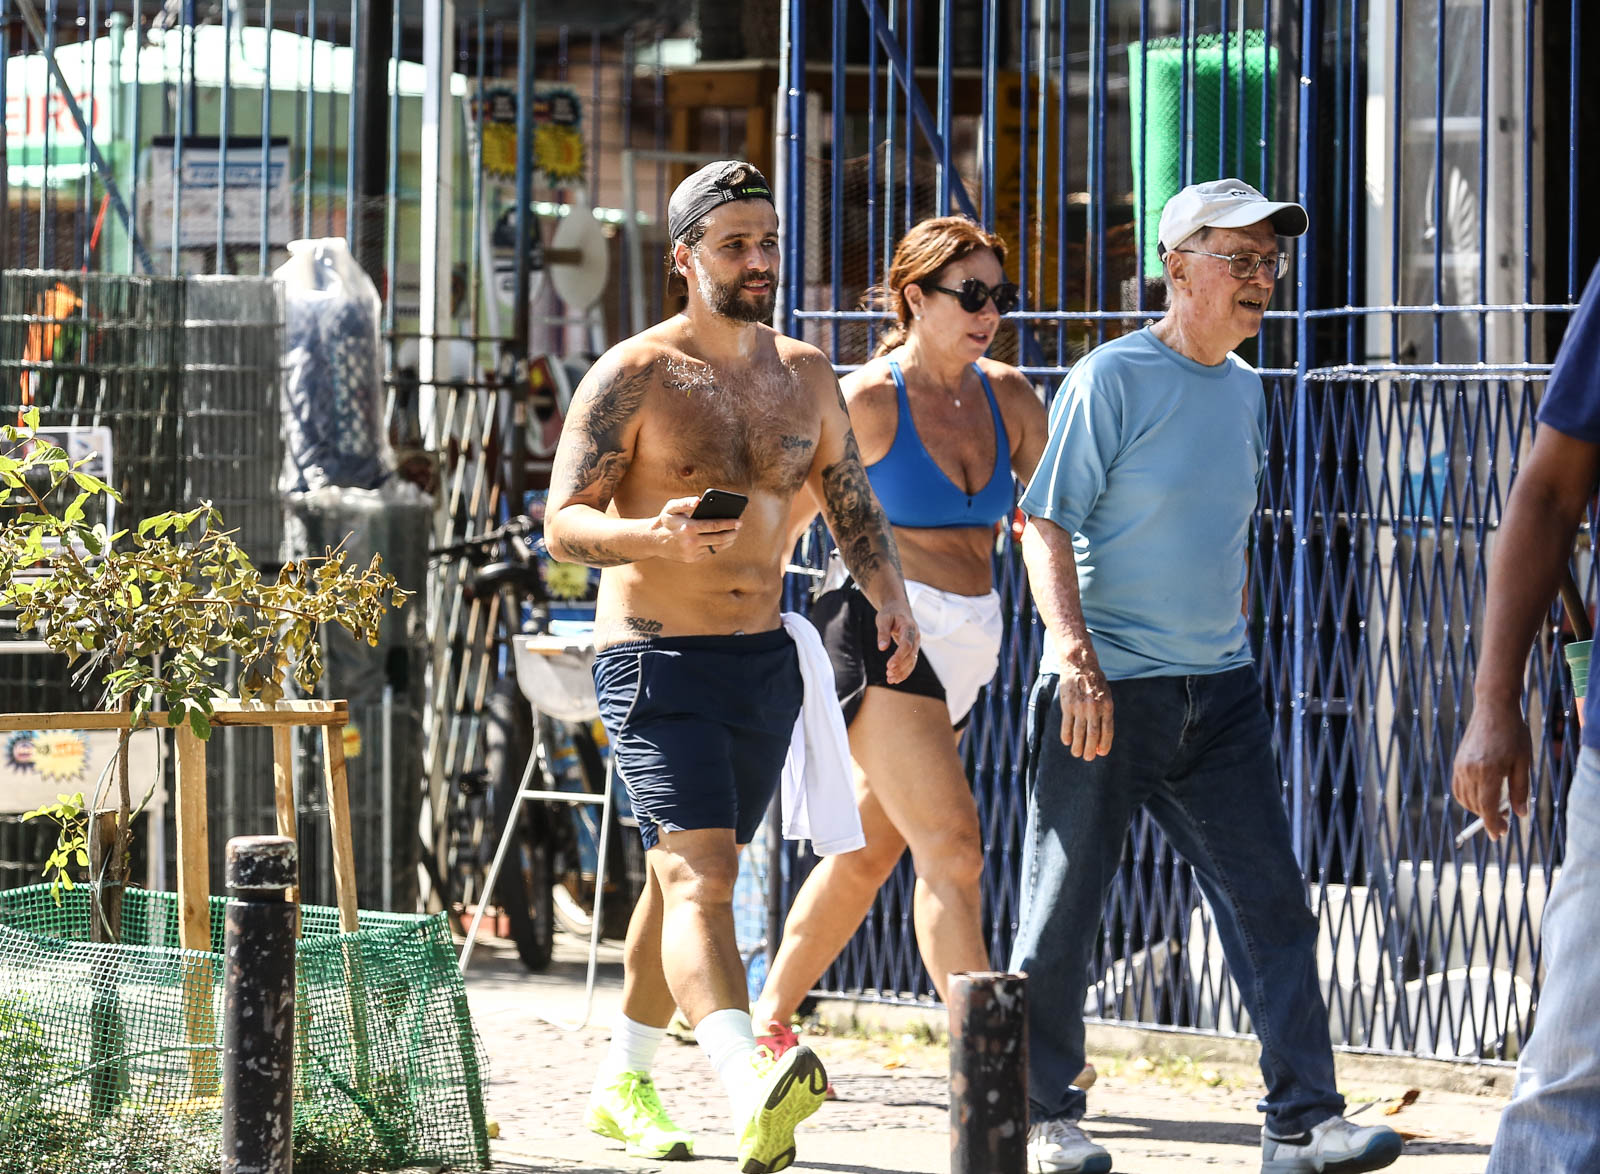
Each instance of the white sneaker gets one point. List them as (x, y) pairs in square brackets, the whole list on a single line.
[(1058, 1146), (1334, 1146)]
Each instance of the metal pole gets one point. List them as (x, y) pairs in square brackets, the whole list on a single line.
[(1300, 805), (794, 227), (224, 126), (788, 289), (522, 321), (988, 1073), (370, 143), (521, 325), (265, 244), (5, 165), (391, 189), (258, 1008), (437, 202)]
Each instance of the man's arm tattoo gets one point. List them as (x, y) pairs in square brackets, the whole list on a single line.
[(595, 462), (591, 554), (859, 528)]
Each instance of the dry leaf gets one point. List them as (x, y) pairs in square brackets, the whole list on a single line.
[(1409, 1097)]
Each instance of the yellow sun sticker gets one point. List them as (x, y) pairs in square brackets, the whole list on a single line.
[(61, 755), (558, 150)]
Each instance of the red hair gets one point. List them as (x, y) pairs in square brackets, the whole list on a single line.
[(923, 254)]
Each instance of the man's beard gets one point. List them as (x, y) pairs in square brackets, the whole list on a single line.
[(731, 301)]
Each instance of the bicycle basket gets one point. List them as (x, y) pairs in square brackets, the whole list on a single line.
[(554, 673)]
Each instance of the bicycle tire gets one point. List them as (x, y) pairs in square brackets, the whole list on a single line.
[(625, 863), (530, 904), (523, 888)]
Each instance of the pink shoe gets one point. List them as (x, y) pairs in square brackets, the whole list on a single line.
[(778, 1039)]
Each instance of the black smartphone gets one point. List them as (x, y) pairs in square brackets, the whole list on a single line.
[(720, 503)]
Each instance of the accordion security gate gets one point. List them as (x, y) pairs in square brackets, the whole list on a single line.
[(1439, 146)]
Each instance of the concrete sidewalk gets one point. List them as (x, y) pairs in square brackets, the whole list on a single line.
[(1161, 1106)]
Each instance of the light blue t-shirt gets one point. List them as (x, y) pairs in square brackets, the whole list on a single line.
[(1153, 464)]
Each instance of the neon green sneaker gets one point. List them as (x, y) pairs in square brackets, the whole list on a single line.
[(628, 1110), (793, 1086)]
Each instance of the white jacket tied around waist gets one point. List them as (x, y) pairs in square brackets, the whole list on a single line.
[(818, 789)]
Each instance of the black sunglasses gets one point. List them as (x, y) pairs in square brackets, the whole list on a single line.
[(973, 294)]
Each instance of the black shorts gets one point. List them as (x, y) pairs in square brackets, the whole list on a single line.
[(849, 626), (700, 727)]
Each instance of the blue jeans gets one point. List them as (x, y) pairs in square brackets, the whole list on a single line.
[(1552, 1124), (1196, 752)]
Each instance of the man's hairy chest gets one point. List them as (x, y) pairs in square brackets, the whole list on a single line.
[(754, 429)]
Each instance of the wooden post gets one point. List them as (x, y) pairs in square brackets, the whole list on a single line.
[(194, 912), (344, 851), (194, 876), (283, 801), (344, 884)]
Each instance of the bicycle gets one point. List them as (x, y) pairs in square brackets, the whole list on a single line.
[(549, 878)]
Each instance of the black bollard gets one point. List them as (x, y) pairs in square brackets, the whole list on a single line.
[(258, 1008), (988, 1073)]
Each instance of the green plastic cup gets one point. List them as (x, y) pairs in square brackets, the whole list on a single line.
[(1578, 665)]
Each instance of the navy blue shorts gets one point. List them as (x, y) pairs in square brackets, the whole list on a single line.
[(700, 727)]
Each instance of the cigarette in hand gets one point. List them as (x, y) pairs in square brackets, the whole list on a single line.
[(1476, 825)]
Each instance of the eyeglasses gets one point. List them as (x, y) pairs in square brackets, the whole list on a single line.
[(973, 295), (1243, 266)]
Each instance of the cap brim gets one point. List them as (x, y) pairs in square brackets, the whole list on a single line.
[(1288, 219)]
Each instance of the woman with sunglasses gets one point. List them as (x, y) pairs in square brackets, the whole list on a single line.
[(942, 431)]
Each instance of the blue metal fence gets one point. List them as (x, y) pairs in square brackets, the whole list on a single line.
[(1439, 146)]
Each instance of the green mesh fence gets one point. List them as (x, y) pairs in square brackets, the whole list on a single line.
[(1226, 127), (110, 1055)]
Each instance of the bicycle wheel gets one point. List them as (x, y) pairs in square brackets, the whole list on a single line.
[(625, 864), (523, 888)]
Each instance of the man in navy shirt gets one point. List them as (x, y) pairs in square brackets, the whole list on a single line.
[(1553, 1122)]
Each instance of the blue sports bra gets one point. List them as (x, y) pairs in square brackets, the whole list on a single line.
[(917, 494)]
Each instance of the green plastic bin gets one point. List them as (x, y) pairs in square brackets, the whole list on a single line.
[(1156, 78)]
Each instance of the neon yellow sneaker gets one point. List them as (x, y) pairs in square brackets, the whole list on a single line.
[(779, 1037), (628, 1110), (793, 1086)]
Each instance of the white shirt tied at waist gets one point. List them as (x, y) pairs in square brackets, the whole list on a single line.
[(818, 788)]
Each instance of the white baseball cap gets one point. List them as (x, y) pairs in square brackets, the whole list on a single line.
[(1225, 203)]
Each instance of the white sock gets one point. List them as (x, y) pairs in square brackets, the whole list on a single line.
[(633, 1047), (729, 1040)]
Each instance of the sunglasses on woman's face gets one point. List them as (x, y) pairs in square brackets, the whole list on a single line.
[(973, 294)]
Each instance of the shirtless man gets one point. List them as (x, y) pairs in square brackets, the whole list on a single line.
[(699, 685)]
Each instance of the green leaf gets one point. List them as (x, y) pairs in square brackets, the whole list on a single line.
[(200, 724), (90, 483), (74, 512)]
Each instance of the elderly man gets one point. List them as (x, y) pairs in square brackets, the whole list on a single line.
[(1550, 1125), (699, 684), (1136, 547)]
